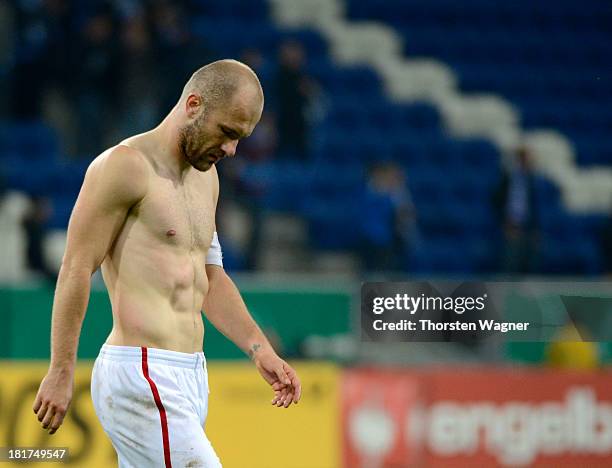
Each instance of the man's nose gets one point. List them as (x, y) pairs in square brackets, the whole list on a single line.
[(229, 148)]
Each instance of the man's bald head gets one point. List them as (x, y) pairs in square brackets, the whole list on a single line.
[(221, 103), (218, 83)]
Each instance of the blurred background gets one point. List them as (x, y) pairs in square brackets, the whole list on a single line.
[(401, 140)]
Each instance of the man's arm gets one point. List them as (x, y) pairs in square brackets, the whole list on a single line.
[(114, 182), (226, 310)]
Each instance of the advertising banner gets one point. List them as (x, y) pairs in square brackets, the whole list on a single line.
[(480, 417), (80, 433), (248, 432), (244, 428), (377, 407), (519, 418)]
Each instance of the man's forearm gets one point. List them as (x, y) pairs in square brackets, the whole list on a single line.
[(227, 311), (69, 306)]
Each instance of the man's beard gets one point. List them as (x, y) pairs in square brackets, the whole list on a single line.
[(188, 135)]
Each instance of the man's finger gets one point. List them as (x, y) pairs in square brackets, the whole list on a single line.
[(295, 383), (297, 387), (42, 411), (57, 421), (48, 417), (288, 400), (282, 375), (37, 404), (278, 394)]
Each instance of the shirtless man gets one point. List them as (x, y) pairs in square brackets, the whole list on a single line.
[(146, 215)]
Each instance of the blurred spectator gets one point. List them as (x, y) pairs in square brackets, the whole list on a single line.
[(42, 48), (7, 50), (516, 205), (139, 87), (35, 227), (605, 242), (255, 59), (7, 40), (263, 143), (3, 187), (388, 219), (246, 193), (31, 48), (293, 91), (59, 19), (58, 105), (96, 78), (179, 53)]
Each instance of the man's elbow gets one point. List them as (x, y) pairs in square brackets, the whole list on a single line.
[(215, 273)]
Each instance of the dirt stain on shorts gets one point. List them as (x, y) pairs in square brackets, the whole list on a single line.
[(194, 463)]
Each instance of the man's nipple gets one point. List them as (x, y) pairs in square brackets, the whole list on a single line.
[(171, 233)]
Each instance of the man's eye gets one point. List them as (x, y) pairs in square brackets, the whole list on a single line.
[(231, 135)]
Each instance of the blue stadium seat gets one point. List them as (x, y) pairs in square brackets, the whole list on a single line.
[(445, 257), (508, 48), (578, 256), (251, 10), (62, 208), (34, 140), (332, 223), (504, 48)]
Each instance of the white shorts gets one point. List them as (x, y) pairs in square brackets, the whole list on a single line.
[(152, 403)]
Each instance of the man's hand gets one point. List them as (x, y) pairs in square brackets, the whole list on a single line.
[(280, 375), (53, 399), (226, 310)]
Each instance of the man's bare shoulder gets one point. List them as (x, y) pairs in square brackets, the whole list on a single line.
[(122, 168), (122, 157)]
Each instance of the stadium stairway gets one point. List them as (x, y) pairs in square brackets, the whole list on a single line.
[(363, 125), (486, 115)]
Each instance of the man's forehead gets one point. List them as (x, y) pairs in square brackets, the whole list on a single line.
[(239, 111), (240, 123), (240, 117), (246, 101)]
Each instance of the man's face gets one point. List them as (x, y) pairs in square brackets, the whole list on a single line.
[(214, 133)]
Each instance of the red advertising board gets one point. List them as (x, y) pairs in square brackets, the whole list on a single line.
[(375, 408), (477, 417)]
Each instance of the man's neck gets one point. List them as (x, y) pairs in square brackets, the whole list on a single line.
[(166, 150)]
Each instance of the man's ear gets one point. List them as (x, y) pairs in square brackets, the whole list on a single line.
[(193, 104)]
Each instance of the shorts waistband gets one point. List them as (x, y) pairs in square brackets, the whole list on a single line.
[(154, 355)]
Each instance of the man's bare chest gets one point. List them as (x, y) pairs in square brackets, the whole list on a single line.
[(179, 214)]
